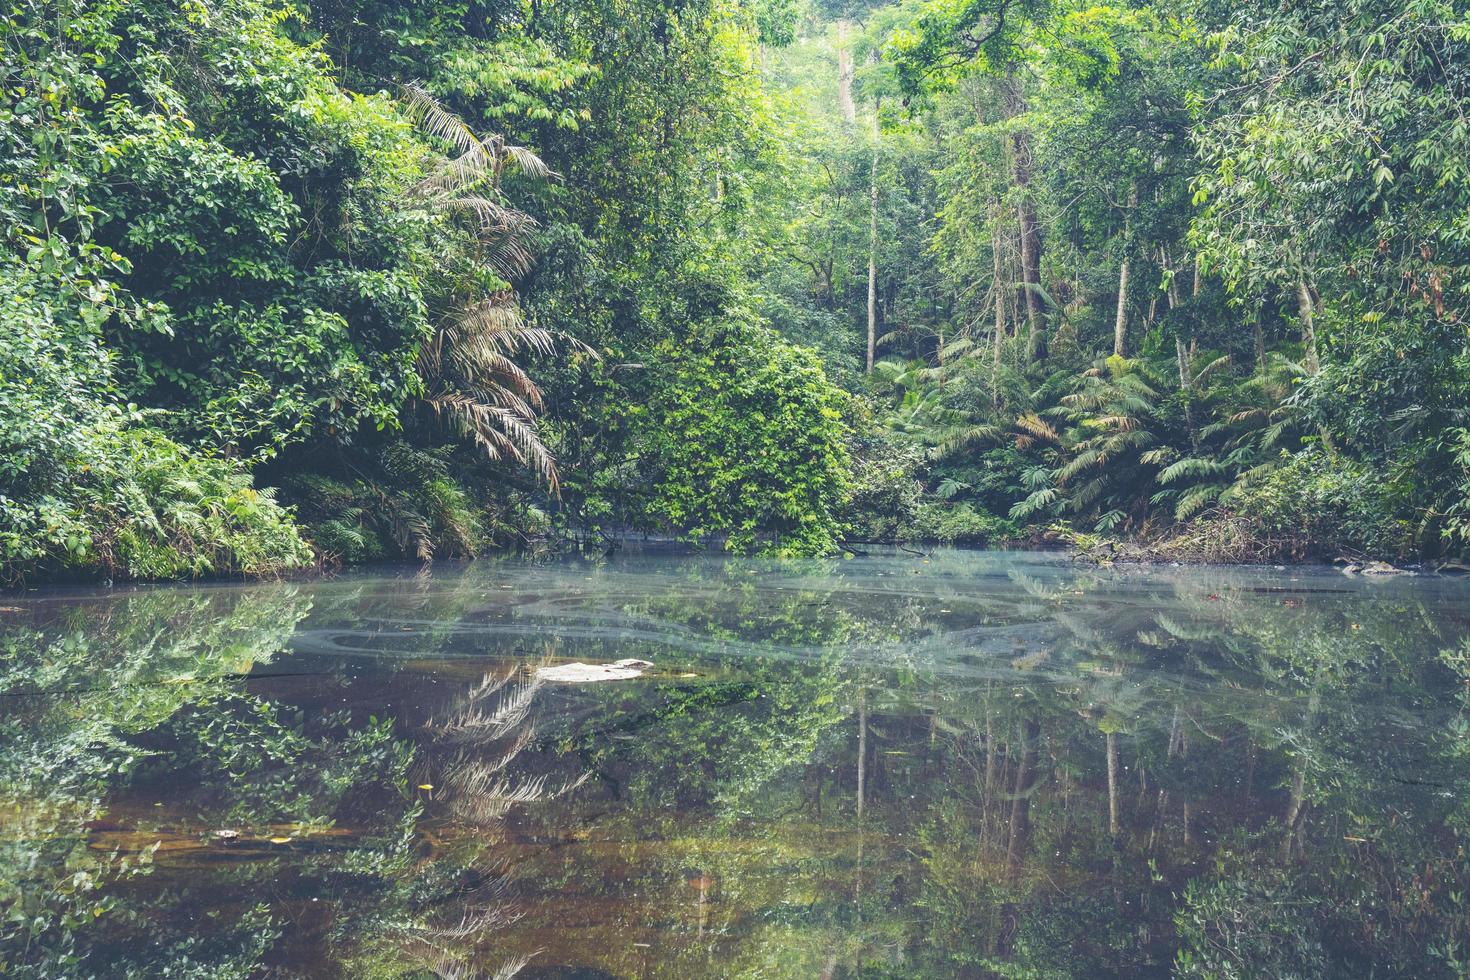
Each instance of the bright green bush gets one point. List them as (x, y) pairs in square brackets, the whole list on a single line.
[(748, 441)]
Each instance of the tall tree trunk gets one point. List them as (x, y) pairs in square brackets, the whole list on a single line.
[(998, 293), (844, 75), (1120, 324), (1307, 309), (1021, 164), (1173, 293), (873, 239), (1186, 385)]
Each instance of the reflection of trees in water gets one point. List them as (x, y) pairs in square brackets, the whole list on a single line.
[(115, 705), (1092, 790), (1271, 734), (80, 686), (1078, 773)]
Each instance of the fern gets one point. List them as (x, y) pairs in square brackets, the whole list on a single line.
[(1192, 467)]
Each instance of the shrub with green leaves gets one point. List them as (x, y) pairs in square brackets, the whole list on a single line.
[(86, 484), (748, 439), (1326, 505)]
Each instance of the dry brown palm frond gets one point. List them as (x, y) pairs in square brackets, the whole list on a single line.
[(469, 365), (498, 321), (500, 432), (528, 163), (433, 118), (510, 257), (482, 164), (486, 370), (493, 217), (1034, 425), (490, 154), (458, 175), (477, 361), (501, 395)]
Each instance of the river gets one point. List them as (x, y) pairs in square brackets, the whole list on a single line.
[(968, 764)]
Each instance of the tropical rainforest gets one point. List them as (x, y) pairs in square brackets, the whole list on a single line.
[(292, 283)]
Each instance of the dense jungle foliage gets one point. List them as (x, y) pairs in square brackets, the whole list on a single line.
[(348, 279)]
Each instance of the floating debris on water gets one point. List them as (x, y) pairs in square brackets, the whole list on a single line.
[(580, 673)]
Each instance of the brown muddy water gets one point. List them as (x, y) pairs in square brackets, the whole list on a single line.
[(970, 765)]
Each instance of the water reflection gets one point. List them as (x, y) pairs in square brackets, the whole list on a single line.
[(967, 765)]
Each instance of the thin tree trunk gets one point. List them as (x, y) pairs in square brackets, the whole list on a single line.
[(1120, 324), (1186, 385), (1173, 293), (1308, 311), (873, 240), (998, 293), (844, 75), (1021, 163)]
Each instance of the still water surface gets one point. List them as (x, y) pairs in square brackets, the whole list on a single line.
[(970, 765)]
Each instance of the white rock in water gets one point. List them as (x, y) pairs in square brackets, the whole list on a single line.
[(579, 673)]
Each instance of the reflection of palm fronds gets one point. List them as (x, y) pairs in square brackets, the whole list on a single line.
[(467, 774), (480, 725), (476, 922), (447, 969), (493, 801), (491, 684)]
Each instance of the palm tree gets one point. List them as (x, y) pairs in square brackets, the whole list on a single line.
[(471, 378)]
